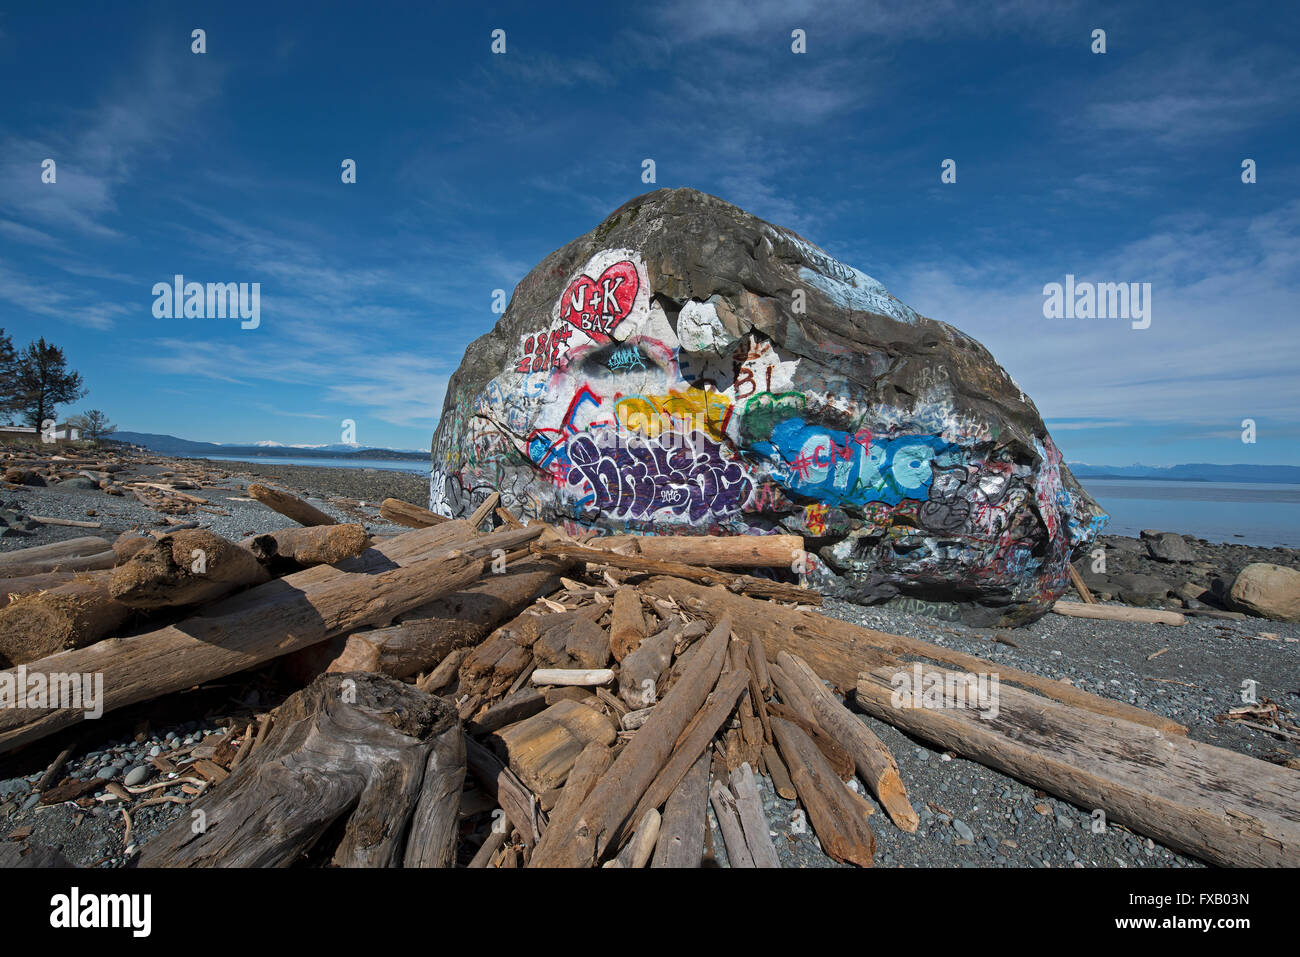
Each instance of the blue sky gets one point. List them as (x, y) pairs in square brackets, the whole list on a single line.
[(471, 167)]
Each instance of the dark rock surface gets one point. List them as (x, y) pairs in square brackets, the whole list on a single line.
[(688, 368), (1167, 547), (1116, 567)]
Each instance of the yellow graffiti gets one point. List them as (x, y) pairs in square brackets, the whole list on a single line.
[(704, 411)]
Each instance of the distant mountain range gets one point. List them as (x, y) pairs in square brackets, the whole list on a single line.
[(1196, 472), (170, 445)]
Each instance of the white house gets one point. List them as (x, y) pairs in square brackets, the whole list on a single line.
[(65, 432)]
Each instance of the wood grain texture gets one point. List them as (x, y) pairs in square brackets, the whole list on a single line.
[(1212, 803)]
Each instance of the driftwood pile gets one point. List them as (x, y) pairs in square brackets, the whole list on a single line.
[(520, 698)]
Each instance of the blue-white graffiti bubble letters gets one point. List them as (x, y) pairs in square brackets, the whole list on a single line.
[(839, 468)]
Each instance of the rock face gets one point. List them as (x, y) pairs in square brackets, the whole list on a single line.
[(686, 368), (1272, 591)]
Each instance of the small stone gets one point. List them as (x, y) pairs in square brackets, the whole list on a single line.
[(962, 828), (136, 776)]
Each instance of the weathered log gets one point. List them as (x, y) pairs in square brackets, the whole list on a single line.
[(586, 771), (626, 623), (71, 614), (712, 551), (130, 542), (641, 845), (1153, 616), (693, 741), (779, 774), (308, 546), (749, 805), (685, 818), (404, 513), (74, 555), (355, 747), (524, 703), (875, 765), (461, 619), (517, 802), (1081, 586), (445, 673), (733, 832), (188, 567), (65, 522), (641, 669), (434, 832), (606, 809), (585, 677), (837, 815), (401, 650), (542, 749), (30, 584), (265, 622), (290, 506), (837, 650), (1214, 804), (733, 581), (497, 835), (485, 508)]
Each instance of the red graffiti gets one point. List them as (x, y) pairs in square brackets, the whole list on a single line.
[(542, 352), (598, 306)]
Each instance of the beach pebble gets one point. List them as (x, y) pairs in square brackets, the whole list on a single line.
[(136, 776)]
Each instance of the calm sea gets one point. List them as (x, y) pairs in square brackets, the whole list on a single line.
[(391, 465), (1239, 513), (1242, 513)]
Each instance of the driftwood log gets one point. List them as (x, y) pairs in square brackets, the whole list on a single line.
[(734, 581), (838, 815), (461, 619), (74, 555), (379, 758), (1152, 616), (267, 621), (838, 650), (308, 546), (69, 614), (412, 516), (875, 765), (712, 551), (290, 506), (603, 815), (186, 567), (1209, 802), (685, 819)]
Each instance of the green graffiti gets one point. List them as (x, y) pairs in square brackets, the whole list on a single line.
[(765, 410)]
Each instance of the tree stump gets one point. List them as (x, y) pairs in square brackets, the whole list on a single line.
[(360, 759)]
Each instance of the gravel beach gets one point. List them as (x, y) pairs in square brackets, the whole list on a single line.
[(970, 815)]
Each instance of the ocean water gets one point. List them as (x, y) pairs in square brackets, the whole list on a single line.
[(1239, 513), (390, 465)]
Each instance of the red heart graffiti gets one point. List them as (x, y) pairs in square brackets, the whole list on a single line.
[(598, 306)]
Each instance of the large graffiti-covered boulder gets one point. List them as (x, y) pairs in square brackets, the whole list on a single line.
[(687, 368)]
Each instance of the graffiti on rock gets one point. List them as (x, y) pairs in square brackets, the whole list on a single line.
[(620, 415), (597, 306), (682, 476)]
